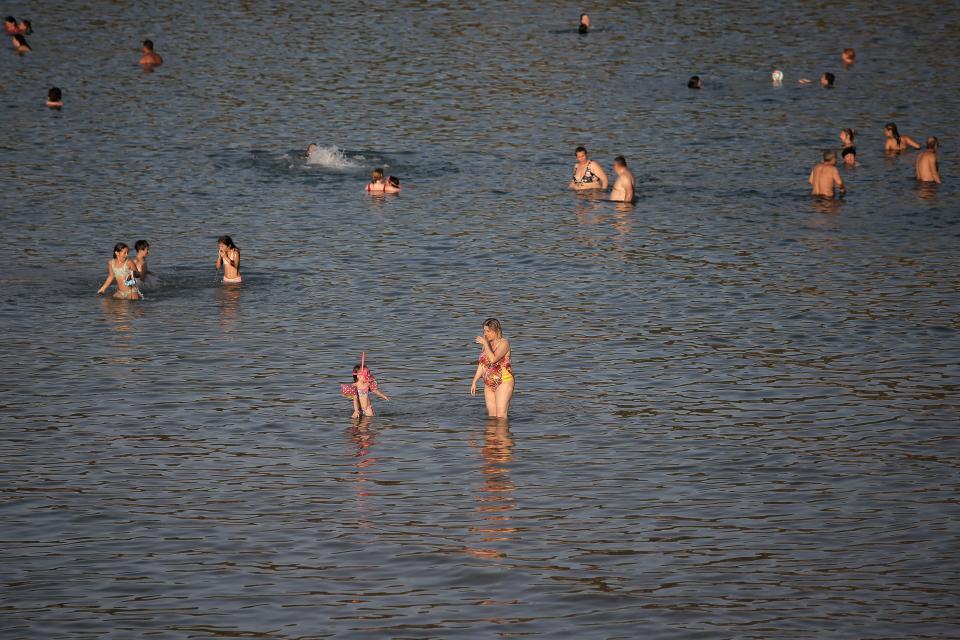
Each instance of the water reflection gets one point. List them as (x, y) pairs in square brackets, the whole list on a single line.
[(926, 190), (121, 316), (362, 437), (827, 206), (495, 496), (228, 297)]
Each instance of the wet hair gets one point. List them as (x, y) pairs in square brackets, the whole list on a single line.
[(850, 133), (140, 245), (579, 149), (10, 19), (893, 129), (829, 155), (620, 160), (227, 240), (694, 82), (29, 27), (356, 372), (20, 40), (849, 51), (377, 175), (54, 95), (148, 44), (494, 324), (117, 248), (829, 77), (583, 28), (394, 181), (932, 142)]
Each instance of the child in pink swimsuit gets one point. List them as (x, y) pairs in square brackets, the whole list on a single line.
[(363, 385)]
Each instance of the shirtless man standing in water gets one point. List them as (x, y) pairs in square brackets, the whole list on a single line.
[(623, 186), (150, 57), (926, 164), (825, 176)]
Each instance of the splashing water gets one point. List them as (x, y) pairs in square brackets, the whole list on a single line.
[(331, 157)]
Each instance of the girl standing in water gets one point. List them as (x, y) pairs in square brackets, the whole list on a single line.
[(121, 269), (495, 368), (363, 385), (228, 257)]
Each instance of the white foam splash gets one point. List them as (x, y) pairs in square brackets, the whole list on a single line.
[(331, 157)]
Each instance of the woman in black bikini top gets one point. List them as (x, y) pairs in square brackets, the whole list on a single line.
[(593, 176)]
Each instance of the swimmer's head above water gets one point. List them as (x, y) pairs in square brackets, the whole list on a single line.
[(492, 329), (311, 149), (848, 56), (142, 247), (54, 97), (584, 23), (120, 251), (694, 82), (776, 76), (932, 142), (827, 79), (829, 156), (376, 176)]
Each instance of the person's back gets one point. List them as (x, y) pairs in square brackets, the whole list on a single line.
[(150, 57), (825, 176), (623, 186), (926, 164)]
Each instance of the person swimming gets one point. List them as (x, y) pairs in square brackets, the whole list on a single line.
[(54, 98), (379, 185), (584, 25), (10, 25), (150, 58), (587, 174), (142, 247), (311, 150), (24, 27), (228, 258), (694, 83), (849, 152), (896, 141), (20, 44), (120, 270), (849, 56), (363, 385)]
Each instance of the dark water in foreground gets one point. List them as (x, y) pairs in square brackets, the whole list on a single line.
[(736, 409)]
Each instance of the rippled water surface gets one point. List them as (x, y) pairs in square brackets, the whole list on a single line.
[(736, 410)]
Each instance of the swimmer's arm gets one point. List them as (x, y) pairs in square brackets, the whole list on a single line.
[(380, 394), (476, 378), (106, 282), (602, 175), (628, 191), (935, 171), (910, 141), (219, 261), (356, 407), (838, 181), (810, 179)]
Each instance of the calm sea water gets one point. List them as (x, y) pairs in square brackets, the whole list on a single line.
[(736, 409)]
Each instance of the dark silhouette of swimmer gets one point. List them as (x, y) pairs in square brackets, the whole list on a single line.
[(584, 23), (10, 25), (694, 82), (827, 79), (54, 98), (20, 44)]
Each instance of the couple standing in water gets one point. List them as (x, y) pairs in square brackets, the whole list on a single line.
[(588, 175)]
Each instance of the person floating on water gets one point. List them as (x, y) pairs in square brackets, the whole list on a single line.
[(694, 83), (825, 177), (228, 258), (826, 80), (142, 248), (849, 152), (623, 186), (55, 98), (849, 56), (896, 141), (379, 185), (120, 270), (587, 174), (926, 165), (150, 58), (584, 26), (496, 369), (363, 385), (20, 44)]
